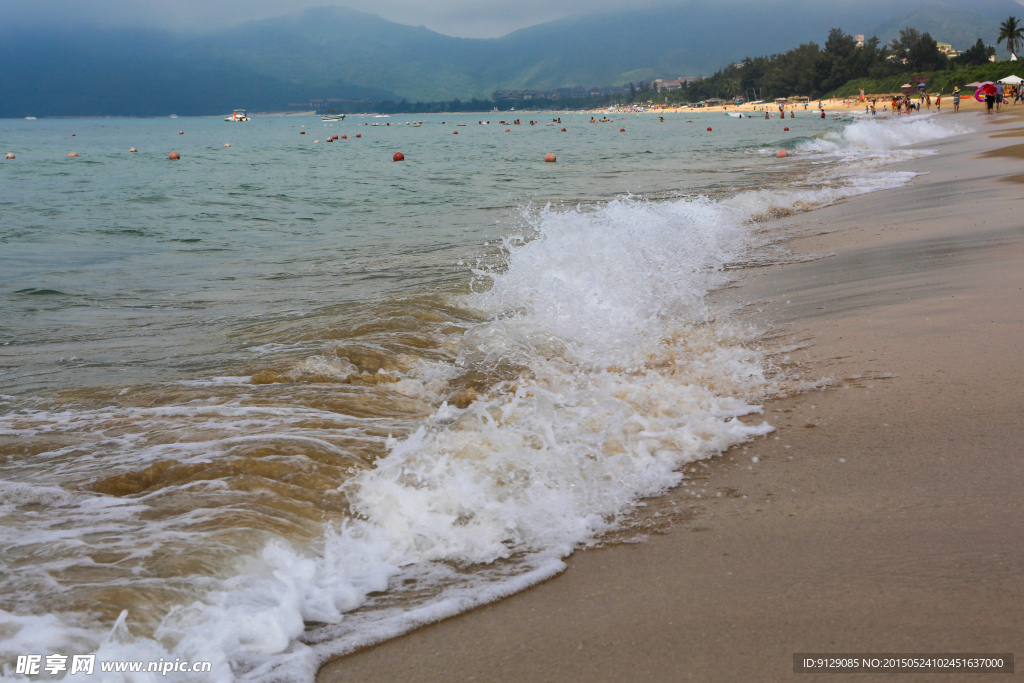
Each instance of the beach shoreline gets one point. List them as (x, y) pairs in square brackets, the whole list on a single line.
[(882, 516)]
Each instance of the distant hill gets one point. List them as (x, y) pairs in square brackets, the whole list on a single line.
[(332, 52), (961, 28)]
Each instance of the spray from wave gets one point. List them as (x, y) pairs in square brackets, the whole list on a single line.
[(593, 371)]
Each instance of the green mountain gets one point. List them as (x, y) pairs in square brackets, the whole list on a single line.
[(961, 28), (332, 52)]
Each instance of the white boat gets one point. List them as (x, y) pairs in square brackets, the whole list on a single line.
[(174, 116), (332, 115), (30, 118), (237, 115)]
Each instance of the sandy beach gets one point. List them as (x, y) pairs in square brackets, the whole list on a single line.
[(884, 514)]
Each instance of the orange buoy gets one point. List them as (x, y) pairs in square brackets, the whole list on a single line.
[(563, 130), (72, 155), (786, 128), (550, 158), (508, 130), (709, 129), (398, 157), (302, 132), (10, 155), (455, 132), (359, 135), (72, 135), (173, 156), (622, 130), (782, 154), (133, 150)]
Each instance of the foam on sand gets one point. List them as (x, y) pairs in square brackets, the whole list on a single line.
[(597, 372)]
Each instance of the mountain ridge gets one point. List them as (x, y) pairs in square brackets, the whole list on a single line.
[(334, 52)]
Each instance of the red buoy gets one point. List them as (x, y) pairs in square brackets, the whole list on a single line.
[(782, 154), (786, 128), (344, 137), (455, 132), (173, 156), (302, 132), (359, 135), (622, 130), (563, 130), (398, 157), (709, 128), (550, 158), (181, 132), (507, 130)]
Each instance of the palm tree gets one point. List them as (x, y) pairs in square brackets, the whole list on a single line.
[(1012, 33)]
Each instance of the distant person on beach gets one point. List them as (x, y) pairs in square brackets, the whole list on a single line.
[(938, 102), (956, 99), (990, 101), (999, 95)]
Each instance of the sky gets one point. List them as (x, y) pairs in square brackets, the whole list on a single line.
[(464, 18)]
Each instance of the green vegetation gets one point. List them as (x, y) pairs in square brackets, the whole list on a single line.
[(842, 67), (1012, 32), (937, 81)]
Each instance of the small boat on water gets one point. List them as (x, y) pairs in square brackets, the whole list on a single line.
[(174, 116), (237, 115), (331, 115), (30, 118)]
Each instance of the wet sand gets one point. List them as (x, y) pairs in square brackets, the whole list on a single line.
[(884, 515)]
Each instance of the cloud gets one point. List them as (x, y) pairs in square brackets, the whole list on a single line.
[(465, 18)]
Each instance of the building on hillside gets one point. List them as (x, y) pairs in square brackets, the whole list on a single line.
[(947, 49), (859, 38), (663, 84)]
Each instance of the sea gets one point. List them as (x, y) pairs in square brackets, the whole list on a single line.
[(286, 397)]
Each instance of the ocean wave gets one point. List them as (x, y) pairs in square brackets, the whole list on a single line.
[(591, 369)]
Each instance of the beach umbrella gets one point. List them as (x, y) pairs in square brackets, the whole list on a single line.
[(973, 85), (920, 86), (906, 85)]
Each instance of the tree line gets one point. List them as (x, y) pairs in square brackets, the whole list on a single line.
[(817, 71)]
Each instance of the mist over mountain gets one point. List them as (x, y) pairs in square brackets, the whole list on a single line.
[(956, 26), (332, 52)]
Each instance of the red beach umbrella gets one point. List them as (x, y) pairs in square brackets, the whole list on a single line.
[(986, 88)]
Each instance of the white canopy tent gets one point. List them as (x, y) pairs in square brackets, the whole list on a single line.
[(1011, 80)]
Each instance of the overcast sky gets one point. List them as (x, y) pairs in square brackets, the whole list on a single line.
[(467, 18)]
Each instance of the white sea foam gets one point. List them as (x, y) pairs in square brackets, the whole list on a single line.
[(608, 374), (876, 135)]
